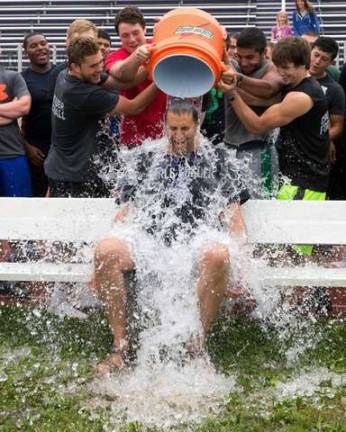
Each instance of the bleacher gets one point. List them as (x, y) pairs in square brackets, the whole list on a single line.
[(52, 17), (332, 14)]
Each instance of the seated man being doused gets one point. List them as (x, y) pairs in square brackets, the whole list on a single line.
[(171, 193)]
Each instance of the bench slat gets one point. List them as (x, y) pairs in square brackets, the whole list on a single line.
[(295, 222), (281, 277), (47, 272), (303, 276)]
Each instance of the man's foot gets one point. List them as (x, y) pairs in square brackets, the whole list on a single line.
[(114, 362)]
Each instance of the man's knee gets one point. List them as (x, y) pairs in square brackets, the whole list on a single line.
[(215, 257), (110, 250)]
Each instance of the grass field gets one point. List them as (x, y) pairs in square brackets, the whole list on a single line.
[(46, 364)]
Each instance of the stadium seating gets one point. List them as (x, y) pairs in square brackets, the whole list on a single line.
[(52, 17)]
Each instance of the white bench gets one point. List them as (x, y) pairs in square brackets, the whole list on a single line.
[(89, 220)]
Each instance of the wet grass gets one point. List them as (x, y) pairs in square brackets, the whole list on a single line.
[(45, 363)]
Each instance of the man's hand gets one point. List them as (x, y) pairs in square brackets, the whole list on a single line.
[(35, 155), (228, 81), (121, 214), (142, 54)]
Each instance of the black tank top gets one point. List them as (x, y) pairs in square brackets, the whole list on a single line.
[(303, 144)]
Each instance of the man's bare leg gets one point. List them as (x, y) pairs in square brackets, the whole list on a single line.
[(112, 259), (212, 283)]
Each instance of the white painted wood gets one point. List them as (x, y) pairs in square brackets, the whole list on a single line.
[(75, 219), (295, 222), (303, 276), (65, 219), (47, 272)]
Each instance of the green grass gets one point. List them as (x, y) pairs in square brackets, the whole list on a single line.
[(45, 363)]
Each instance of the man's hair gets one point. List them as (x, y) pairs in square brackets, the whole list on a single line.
[(252, 38), (229, 37), (80, 48), (327, 45), (29, 35), (308, 5), (292, 49), (129, 15), (81, 26), (104, 35), (180, 107)]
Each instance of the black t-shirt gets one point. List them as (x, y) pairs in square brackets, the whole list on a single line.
[(36, 126), (303, 144), (176, 193), (77, 108), (334, 94)]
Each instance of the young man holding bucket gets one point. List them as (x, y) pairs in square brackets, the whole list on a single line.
[(302, 115), (180, 185), (83, 96), (126, 63), (258, 82)]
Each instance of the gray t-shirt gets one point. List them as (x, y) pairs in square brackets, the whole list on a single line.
[(235, 132), (77, 108), (12, 85)]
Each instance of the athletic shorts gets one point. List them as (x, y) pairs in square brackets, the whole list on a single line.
[(15, 180), (291, 192), (91, 188)]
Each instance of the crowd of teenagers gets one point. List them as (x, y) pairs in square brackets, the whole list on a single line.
[(278, 108), (80, 111)]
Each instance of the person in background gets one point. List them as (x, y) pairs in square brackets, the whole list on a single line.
[(304, 18), (36, 126), (15, 102), (104, 40), (231, 45), (127, 62), (282, 28), (269, 50), (77, 29), (324, 50), (337, 187), (332, 70)]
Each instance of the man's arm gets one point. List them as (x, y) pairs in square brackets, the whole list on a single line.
[(16, 108), (5, 121), (294, 105), (267, 87), (126, 70), (112, 83), (336, 126), (138, 104)]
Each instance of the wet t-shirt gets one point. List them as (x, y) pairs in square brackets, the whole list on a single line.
[(175, 194), (303, 144), (77, 108)]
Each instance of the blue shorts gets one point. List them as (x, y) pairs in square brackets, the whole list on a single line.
[(15, 180)]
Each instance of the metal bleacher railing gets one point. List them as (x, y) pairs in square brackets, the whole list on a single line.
[(52, 17)]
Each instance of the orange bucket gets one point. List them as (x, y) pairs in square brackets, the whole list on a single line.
[(186, 59)]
